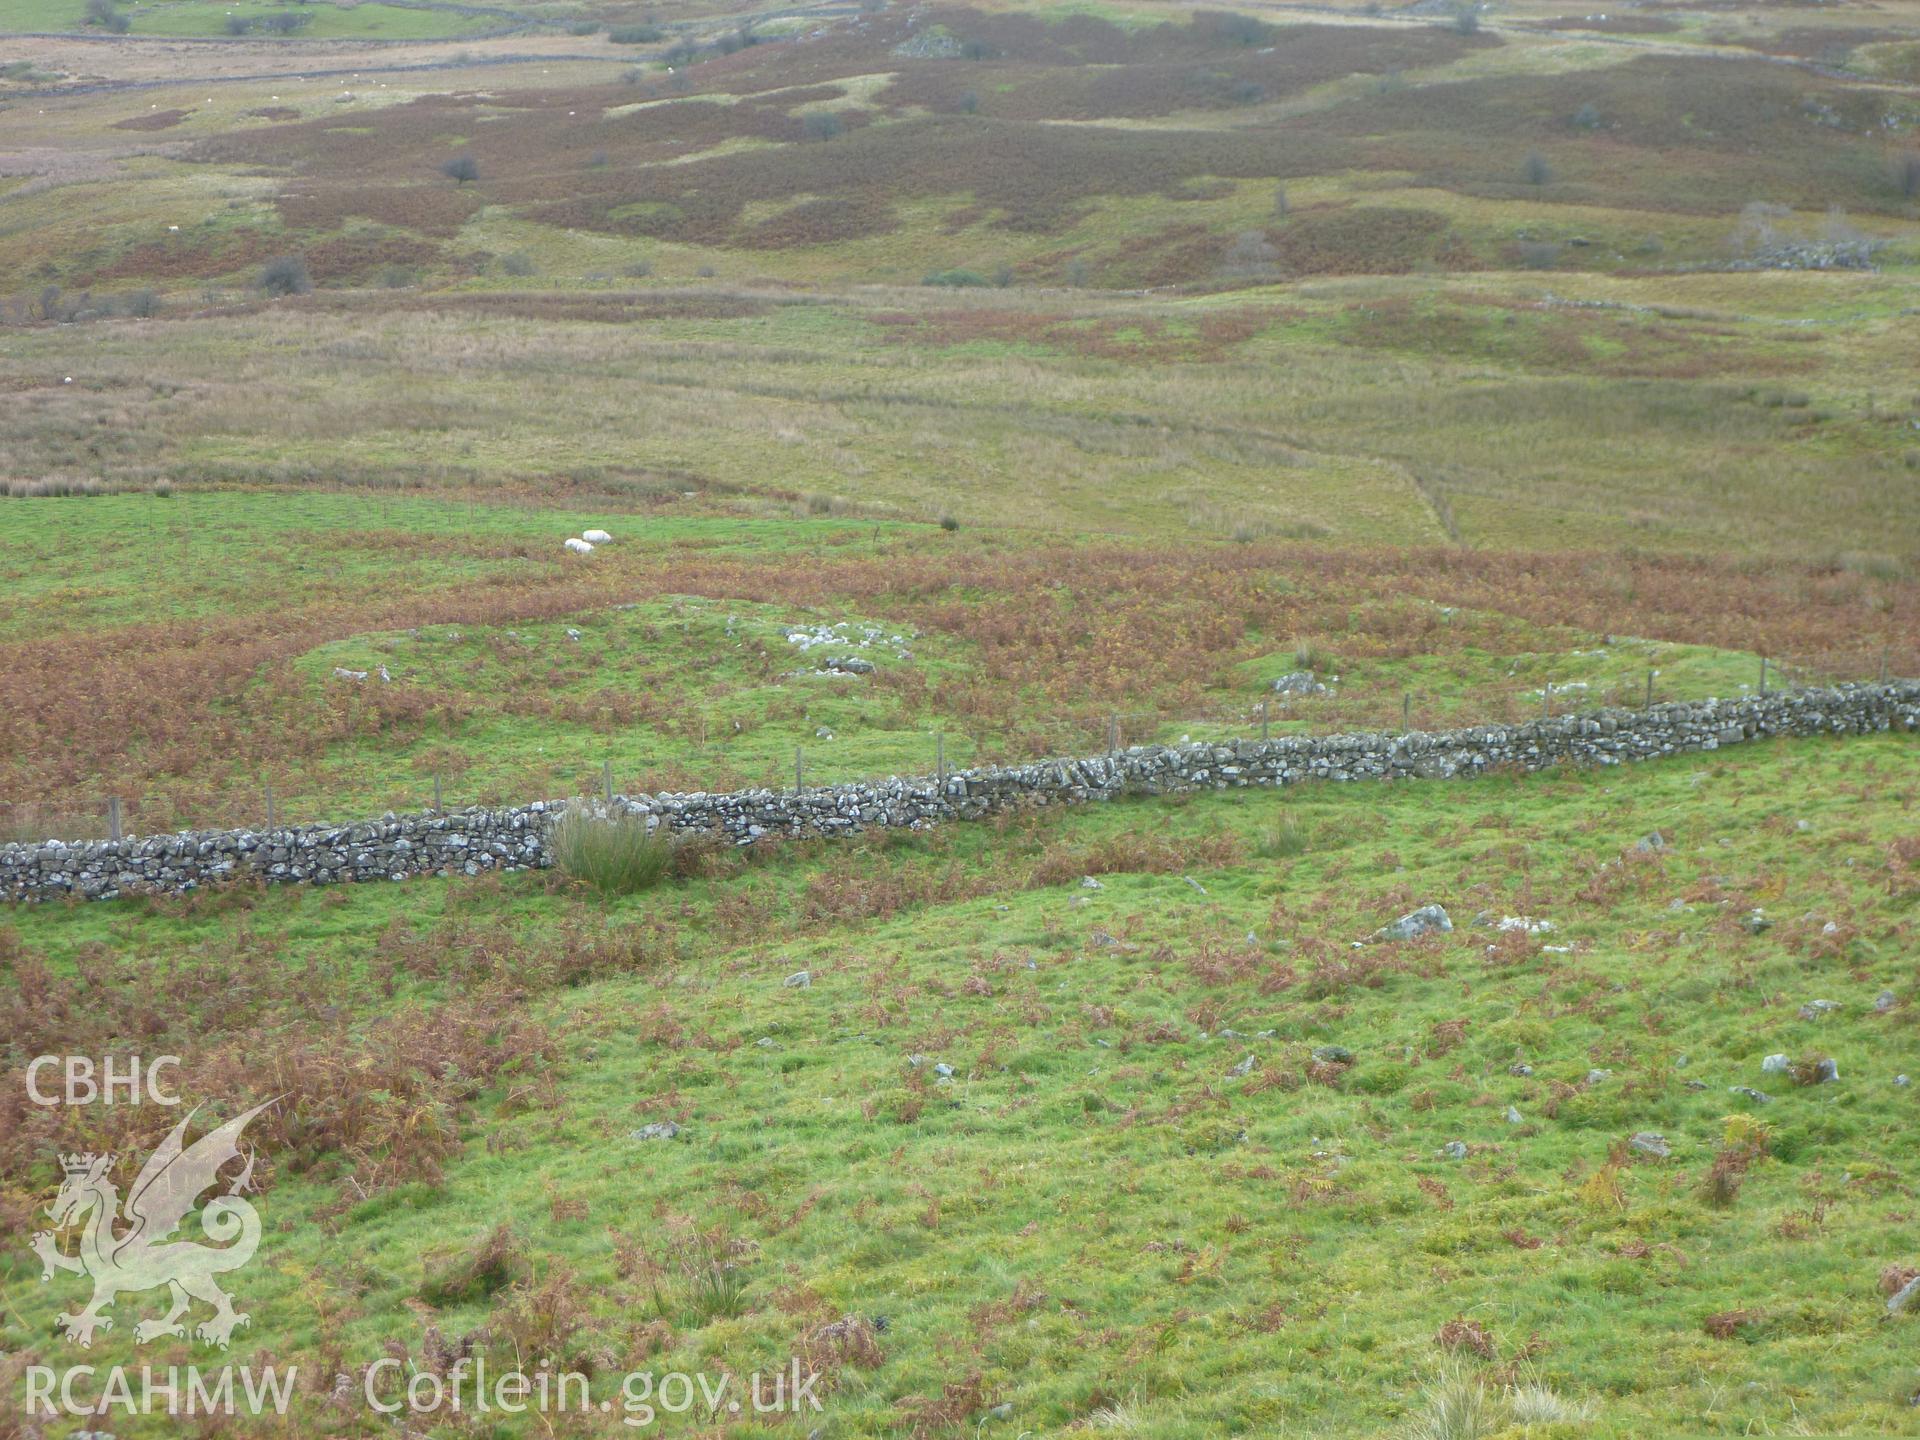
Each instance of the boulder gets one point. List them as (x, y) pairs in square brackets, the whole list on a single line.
[(1299, 682), (1427, 920)]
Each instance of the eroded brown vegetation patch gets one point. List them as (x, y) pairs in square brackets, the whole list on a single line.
[(156, 120)]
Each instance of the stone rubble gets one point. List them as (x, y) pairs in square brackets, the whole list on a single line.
[(1427, 920)]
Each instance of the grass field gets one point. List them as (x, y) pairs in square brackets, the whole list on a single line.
[(1103, 1218), (1509, 413), (326, 20), (204, 635), (1081, 367)]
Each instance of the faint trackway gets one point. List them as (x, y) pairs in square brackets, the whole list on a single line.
[(1433, 497), (1430, 497)]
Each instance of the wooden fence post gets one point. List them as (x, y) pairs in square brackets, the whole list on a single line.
[(1265, 729), (1763, 674), (799, 769), (1406, 710), (1546, 699), (606, 780), (436, 793), (114, 831), (940, 760), (270, 805)]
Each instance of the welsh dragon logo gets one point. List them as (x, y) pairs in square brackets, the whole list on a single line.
[(134, 1258)]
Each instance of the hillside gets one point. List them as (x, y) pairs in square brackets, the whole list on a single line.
[(1137, 1200), (409, 405)]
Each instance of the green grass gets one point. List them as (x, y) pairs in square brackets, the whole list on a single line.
[(236, 552), (195, 18), (514, 671), (1093, 1213), (723, 691)]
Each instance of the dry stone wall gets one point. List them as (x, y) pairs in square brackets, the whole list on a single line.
[(471, 842)]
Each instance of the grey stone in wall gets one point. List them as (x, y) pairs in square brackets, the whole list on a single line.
[(470, 842)]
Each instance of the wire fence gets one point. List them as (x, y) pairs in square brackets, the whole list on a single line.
[(935, 749)]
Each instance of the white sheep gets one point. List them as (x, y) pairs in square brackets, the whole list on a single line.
[(598, 537), (579, 546)]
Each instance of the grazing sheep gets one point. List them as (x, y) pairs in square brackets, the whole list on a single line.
[(579, 546), (598, 537)]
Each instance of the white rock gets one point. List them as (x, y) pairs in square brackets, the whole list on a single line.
[(1427, 920), (1903, 1296)]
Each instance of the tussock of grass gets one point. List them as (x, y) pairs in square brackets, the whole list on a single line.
[(716, 1289), (1284, 841), (1532, 1402), (615, 855), (1457, 1404), (473, 1275), (1309, 654)]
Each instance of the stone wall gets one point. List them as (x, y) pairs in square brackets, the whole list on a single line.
[(471, 841)]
